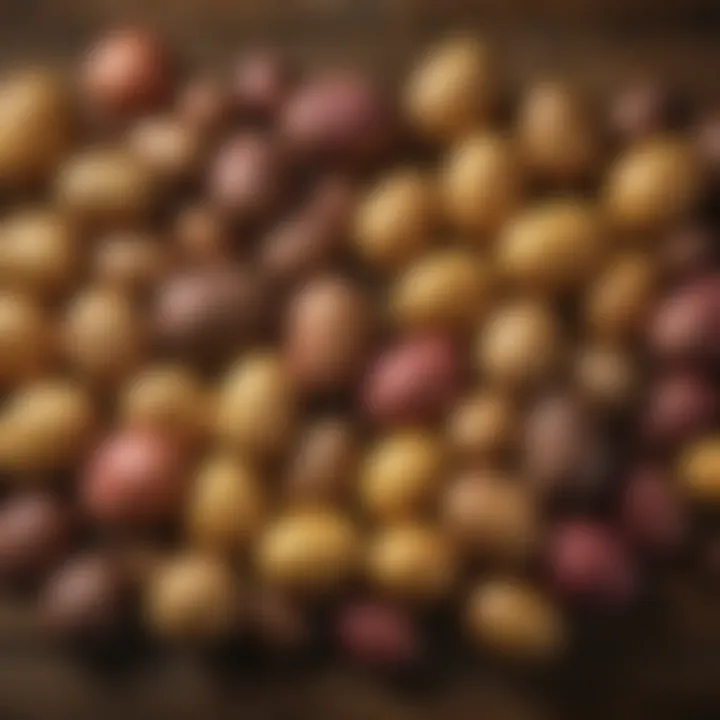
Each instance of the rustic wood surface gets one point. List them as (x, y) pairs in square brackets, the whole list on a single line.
[(672, 670)]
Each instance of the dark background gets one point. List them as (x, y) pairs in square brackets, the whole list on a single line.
[(662, 664)]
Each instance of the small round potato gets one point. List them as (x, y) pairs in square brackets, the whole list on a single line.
[(699, 471), (452, 90), (444, 289), (481, 184)]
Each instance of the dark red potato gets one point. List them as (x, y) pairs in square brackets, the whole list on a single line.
[(261, 82), (340, 119), (35, 531), (378, 635), (686, 325), (415, 380), (652, 514), (248, 177), (680, 406), (127, 72), (135, 477), (589, 563)]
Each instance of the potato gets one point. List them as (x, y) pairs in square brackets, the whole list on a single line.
[(452, 90), (45, 427), (261, 82), (413, 381), (481, 184), (553, 248), (328, 331), (257, 405), (699, 471), (36, 126), (515, 620), (26, 340), (618, 301), (39, 252), (412, 562), (397, 219), (519, 344), (444, 289), (606, 377), (557, 139), (107, 187), (654, 184), (311, 552), (340, 119), (401, 475), (226, 507)]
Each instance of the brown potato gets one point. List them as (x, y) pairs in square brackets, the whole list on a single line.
[(323, 467), (39, 252), (226, 507), (194, 598), (202, 236), (131, 262), (618, 301), (444, 289), (256, 405), (481, 184), (103, 335), (328, 330), (172, 149), (699, 471), (654, 184), (45, 427), (492, 517), (412, 562), (606, 377), (552, 248), (482, 425), (107, 187), (557, 139), (515, 620), (311, 552), (26, 340), (396, 221), (401, 475), (167, 398), (520, 344), (36, 126), (452, 90)]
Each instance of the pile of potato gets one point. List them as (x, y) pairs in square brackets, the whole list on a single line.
[(272, 342)]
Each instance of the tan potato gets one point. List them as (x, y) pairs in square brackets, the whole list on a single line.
[(607, 377), (226, 507), (38, 252), (396, 221), (699, 471), (131, 262), (256, 406), (103, 335), (552, 248), (107, 187), (483, 425), (412, 562), (36, 125), (618, 302), (26, 340), (654, 184), (311, 552), (167, 398), (556, 137), (446, 288), (402, 474), (45, 427), (515, 620), (481, 184), (520, 344), (193, 599), (452, 90)]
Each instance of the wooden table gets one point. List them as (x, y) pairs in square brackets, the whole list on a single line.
[(669, 669)]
